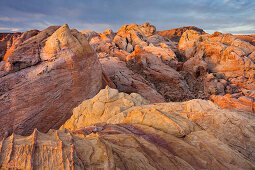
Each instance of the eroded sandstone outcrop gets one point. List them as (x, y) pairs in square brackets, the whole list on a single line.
[(234, 128), (139, 60), (6, 41), (130, 135), (176, 33), (249, 38), (44, 78), (230, 63), (128, 81)]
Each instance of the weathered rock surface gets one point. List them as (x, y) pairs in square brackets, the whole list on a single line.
[(176, 33), (199, 66), (128, 81), (223, 53), (156, 79), (130, 135), (47, 76), (249, 38), (230, 62), (131, 35), (168, 82), (44, 75), (8, 43), (240, 102), (234, 128)]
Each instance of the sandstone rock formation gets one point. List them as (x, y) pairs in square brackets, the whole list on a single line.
[(128, 81), (156, 79), (188, 135), (45, 74), (234, 128), (168, 82), (230, 62), (131, 35), (137, 59), (249, 38), (6, 40), (44, 77), (176, 33)]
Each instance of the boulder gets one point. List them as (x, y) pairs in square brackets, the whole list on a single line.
[(249, 38)]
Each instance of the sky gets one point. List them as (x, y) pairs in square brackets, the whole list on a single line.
[(227, 16)]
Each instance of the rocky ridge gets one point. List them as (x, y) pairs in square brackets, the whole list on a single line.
[(176, 33)]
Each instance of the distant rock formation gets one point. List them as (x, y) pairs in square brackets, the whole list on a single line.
[(130, 135), (43, 76), (6, 41), (249, 38), (176, 33)]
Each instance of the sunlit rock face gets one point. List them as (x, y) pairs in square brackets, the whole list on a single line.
[(124, 55), (8, 43), (131, 35), (249, 38), (180, 119), (50, 80), (176, 33), (6, 40), (44, 78), (231, 63), (224, 53), (115, 130), (197, 65)]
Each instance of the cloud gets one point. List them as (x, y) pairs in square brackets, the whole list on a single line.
[(99, 15), (8, 29), (8, 19), (243, 29)]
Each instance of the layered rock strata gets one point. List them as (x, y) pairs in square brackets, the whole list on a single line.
[(130, 135), (44, 77)]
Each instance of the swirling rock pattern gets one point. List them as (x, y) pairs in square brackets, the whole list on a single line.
[(49, 74)]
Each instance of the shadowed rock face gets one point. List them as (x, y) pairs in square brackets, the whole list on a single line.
[(44, 78), (131, 135)]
